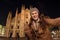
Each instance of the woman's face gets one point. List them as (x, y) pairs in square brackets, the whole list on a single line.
[(34, 15)]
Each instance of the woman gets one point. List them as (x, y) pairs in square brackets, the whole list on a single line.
[(38, 29)]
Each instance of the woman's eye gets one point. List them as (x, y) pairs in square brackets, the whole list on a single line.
[(35, 13), (32, 13)]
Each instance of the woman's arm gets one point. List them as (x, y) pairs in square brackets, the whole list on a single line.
[(53, 22)]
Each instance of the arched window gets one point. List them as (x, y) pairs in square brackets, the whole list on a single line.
[(26, 22), (11, 26), (17, 35), (18, 21), (17, 27), (10, 35), (26, 15)]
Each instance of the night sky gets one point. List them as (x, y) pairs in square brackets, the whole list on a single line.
[(49, 8)]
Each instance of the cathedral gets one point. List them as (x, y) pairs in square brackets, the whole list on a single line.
[(15, 26)]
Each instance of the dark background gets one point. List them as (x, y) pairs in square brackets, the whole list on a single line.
[(50, 8)]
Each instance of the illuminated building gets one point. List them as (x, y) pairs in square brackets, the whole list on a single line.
[(15, 26)]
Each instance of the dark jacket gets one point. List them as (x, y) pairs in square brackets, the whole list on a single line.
[(40, 34)]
